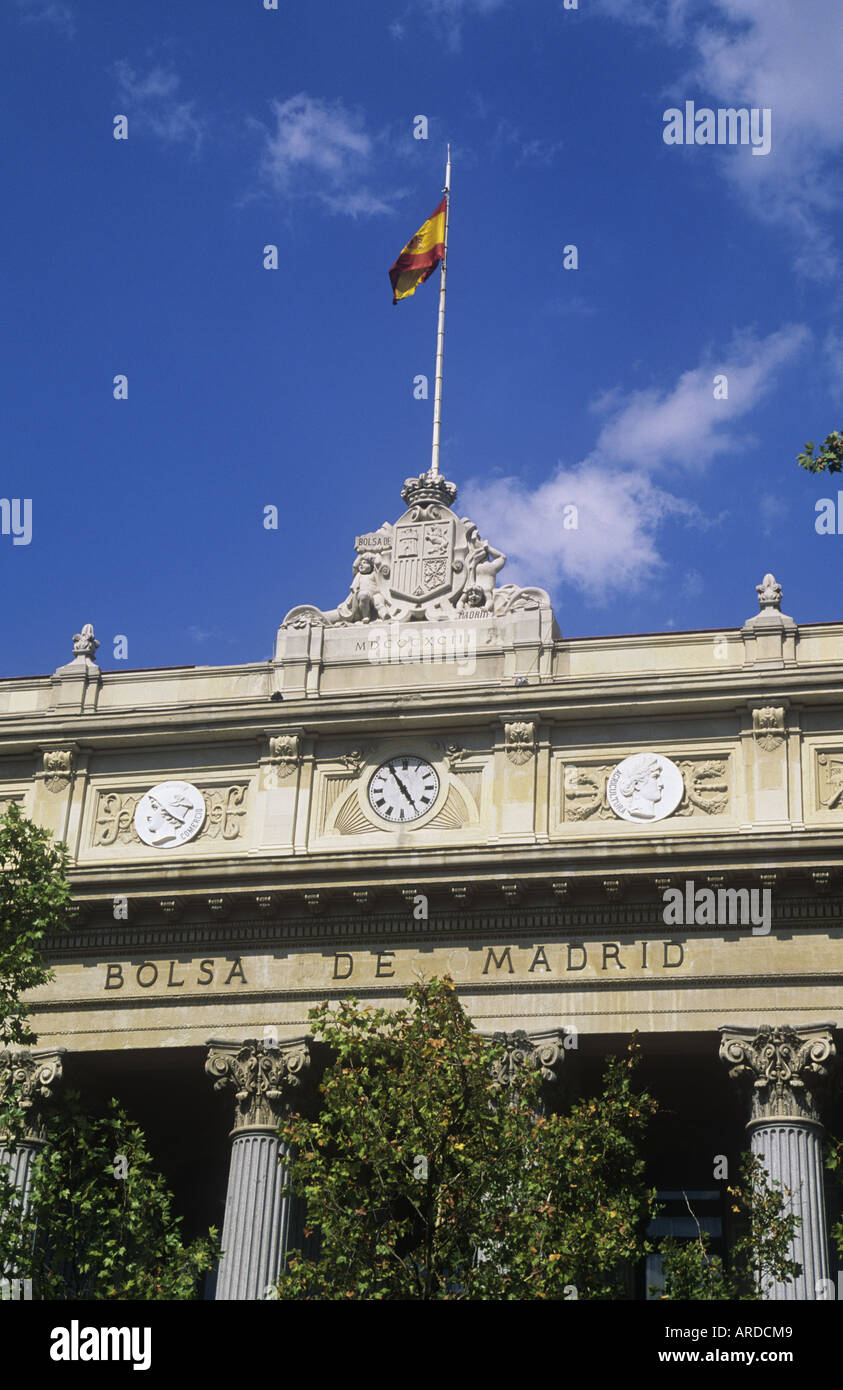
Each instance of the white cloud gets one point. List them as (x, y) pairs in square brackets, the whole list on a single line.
[(152, 103), (47, 12), (320, 149), (687, 424), (613, 549), (776, 54)]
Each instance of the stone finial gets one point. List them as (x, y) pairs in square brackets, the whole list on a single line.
[(784, 1068), (84, 650), (770, 619), (31, 1079), (85, 643), (769, 593), (267, 1078)]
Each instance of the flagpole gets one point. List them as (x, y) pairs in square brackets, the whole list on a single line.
[(440, 330)]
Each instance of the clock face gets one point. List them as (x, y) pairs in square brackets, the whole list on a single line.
[(402, 789)]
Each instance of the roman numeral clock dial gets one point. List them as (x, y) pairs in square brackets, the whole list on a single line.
[(403, 789)]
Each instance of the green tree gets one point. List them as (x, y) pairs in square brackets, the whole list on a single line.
[(426, 1180), (100, 1223), (34, 898), (758, 1256), (830, 457), (834, 1163)]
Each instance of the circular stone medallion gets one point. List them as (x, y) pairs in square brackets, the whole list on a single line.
[(645, 787), (170, 814)]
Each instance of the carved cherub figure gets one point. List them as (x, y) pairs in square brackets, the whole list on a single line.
[(365, 602)]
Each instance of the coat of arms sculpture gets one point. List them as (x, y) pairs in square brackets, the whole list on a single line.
[(431, 565)]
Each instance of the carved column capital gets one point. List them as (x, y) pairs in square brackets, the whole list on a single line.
[(268, 1078), (544, 1052), (784, 1068), (31, 1078)]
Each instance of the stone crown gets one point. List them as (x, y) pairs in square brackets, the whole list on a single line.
[(429, 487)]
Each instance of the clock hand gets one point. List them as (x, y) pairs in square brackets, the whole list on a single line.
[(402, 787)]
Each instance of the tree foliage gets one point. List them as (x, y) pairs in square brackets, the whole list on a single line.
[(96, 1227), (830, 457), (426, 1183), (34, 898), (758, 1256), (834, 1163)]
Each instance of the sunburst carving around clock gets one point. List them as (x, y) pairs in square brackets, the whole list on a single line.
[(403, 789)]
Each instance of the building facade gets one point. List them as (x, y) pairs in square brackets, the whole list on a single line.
[(593, 837)]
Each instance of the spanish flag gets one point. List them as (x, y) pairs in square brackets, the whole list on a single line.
[(420, 256)]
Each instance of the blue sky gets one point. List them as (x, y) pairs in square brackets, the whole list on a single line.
[(293, 388)]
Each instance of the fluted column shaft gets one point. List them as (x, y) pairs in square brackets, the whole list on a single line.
[(791, 1151), (19, 1162), (260, 1225), (785, 1069)]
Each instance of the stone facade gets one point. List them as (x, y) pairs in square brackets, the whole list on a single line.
[(543, 902)]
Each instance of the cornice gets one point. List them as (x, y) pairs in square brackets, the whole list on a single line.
[(569, 698), (448, 926)]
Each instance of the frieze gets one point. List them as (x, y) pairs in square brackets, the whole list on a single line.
[(706, 789), (114, 818)]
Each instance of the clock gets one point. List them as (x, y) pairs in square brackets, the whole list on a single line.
[(403, 789)]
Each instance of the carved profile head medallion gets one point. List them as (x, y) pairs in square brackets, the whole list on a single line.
[(170, 814), (645, 787)]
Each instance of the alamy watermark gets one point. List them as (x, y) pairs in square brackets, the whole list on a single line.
[(728, 125), (16, 519), (721, 907)]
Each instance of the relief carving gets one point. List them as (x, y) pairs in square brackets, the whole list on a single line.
[(768, 727), (520, 742), (58, 769), (115, 815), (706, 789), (829, 781), (285, 754)]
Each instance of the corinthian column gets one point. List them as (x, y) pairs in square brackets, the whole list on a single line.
[(30, 1079), (784, 1070), (260, 1224), (542, 1052)]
